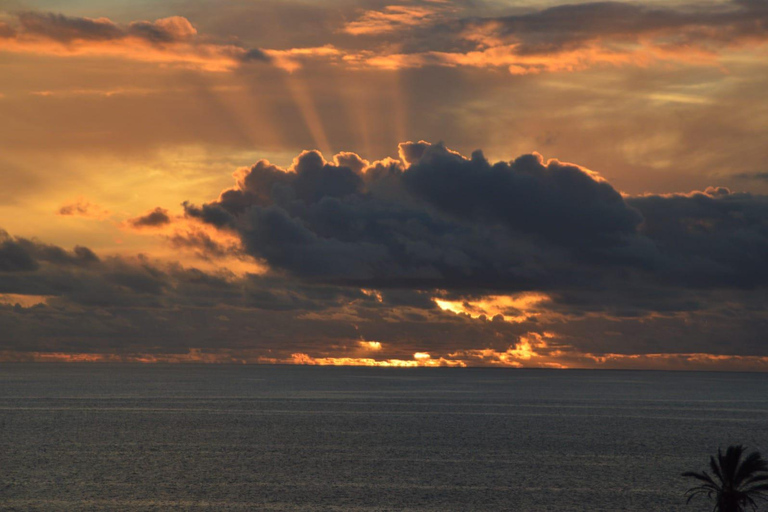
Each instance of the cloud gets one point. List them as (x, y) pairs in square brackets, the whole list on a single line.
[(165, 30), (529, 243), (153, 219), (575, 26), (713, 238), (526, 262), (171, 40), (563, 38), (64, 29), (60, 305), (394, 18), (13, 256), (211, 245), (509, 308), (83, 208), (21, 254), (440, 220)]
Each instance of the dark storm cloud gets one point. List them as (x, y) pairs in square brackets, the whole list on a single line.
[(450, 222), (711, 238), (560, 202), (318, 222), (155, 218)]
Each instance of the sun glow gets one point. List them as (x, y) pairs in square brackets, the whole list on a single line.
[(511, 308), (370, 345), (532, 349), (24, 301)]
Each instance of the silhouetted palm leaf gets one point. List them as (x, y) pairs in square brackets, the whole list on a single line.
[(736, 484)]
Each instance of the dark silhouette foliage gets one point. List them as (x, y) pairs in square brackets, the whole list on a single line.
[(737, 482)]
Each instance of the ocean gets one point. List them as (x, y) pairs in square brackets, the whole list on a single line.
[(301, 438)]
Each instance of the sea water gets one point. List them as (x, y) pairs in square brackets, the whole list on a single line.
[(189, 437)]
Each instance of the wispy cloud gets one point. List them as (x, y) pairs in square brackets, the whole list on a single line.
[(83, 208), (393, 18)]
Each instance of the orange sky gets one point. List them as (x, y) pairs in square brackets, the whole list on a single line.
[(161, 202)]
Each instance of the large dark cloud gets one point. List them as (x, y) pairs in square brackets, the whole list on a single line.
[(440, 220), (560, 202), (713, 238)]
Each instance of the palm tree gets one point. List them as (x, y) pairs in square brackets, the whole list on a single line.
[(736, 484)]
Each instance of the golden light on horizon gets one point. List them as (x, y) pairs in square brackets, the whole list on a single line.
[(420, 361), (520, 355)]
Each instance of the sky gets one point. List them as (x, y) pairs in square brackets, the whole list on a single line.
[(418, 183)]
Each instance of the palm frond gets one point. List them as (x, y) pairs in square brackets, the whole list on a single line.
[(754, 463), (738, 481)]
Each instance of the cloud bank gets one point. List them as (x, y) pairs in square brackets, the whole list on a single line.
[(433, 259)]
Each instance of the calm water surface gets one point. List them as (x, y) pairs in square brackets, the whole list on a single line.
[(125, 437)]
